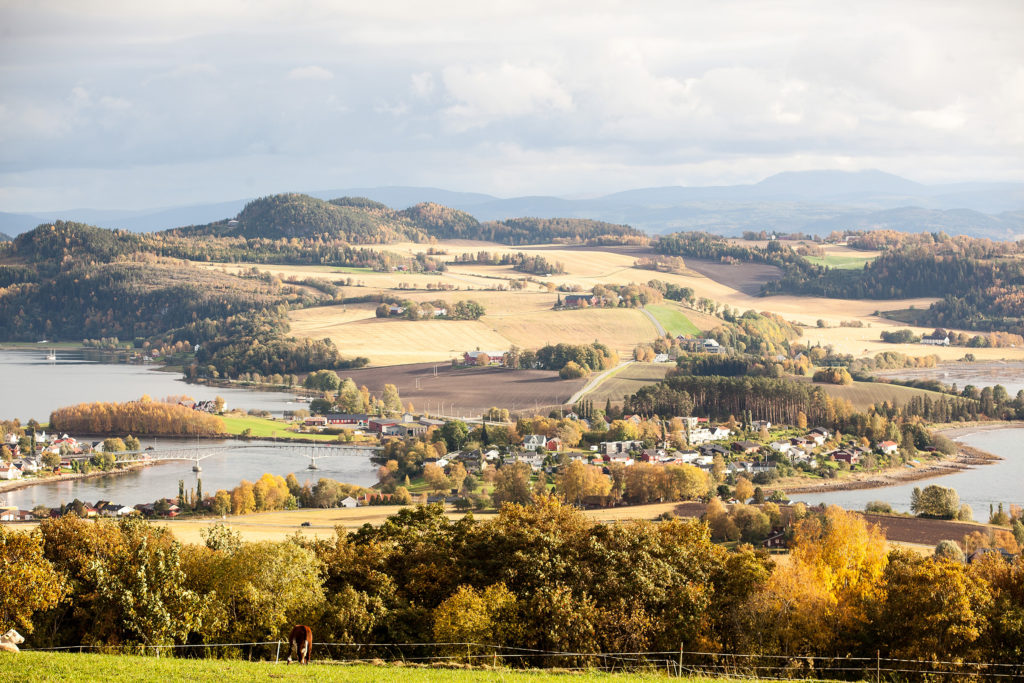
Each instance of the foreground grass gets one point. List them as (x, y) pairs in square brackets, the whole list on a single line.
[(46, 666), (672, 319)]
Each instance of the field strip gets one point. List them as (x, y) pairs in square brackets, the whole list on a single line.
[(593, 384), (661, 330)]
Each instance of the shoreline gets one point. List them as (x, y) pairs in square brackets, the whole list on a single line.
[(19, 484), (967, 457)]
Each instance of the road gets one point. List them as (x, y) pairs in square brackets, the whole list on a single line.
[(592, 384)]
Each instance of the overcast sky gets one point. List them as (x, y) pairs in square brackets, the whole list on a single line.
[(129, 104)]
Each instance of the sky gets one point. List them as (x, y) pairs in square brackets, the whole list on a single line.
[(128, 104)]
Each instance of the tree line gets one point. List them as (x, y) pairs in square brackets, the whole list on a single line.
[(542, 577), (144, 417)]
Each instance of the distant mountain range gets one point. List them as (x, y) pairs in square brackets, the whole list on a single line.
[(815, 202)]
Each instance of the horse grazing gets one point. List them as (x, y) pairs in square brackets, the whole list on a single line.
[(9, 641), (300, 642)]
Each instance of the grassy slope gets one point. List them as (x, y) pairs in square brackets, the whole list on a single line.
[(39, 666), (672, 319), (864, 394), (262, 427), (627, 381), (841, 262)]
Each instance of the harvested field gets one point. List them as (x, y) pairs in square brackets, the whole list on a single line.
[(469, 391), (743, 277), (627, 381), (922, 531), (864, 394), (395, 342), (320, 321), (620, 328)]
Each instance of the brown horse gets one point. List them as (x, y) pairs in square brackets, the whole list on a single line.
[(300, 642)]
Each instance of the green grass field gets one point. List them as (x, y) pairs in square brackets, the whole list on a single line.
[(841, 262), (672, 319), (32, 667), (262, 427)]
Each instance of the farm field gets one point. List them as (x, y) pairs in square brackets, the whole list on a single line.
[(842, 262), (33, 667), (468, 392), (864, 394), (271, 526), (627, 381), (673, 319), (619, 328), (391, 341), (266, 428), (524, 317)]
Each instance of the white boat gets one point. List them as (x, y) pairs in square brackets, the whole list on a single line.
[(52, 355)]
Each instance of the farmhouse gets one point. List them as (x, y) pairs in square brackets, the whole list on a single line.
[(936, 338), (888, 447), (357, 420), (493, 357)]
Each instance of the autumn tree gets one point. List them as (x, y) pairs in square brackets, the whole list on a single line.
[(28, 581), (512, 484)]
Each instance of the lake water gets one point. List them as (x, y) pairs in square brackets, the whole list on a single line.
[(1010, 374), (33, 387), (979, 487), (223, 471)]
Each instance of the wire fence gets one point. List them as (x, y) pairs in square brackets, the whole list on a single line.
[(670, 663)]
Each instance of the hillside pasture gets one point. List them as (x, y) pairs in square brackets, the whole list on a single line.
[(864, 394), (627, 381), (673, 319)]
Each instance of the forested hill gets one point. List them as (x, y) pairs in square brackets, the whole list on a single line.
[(358, 220)]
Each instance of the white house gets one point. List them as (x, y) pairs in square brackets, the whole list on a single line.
[(9, 472), (532, 442), (349, 502), (889, 447)]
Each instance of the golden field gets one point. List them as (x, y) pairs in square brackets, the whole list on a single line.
[(524, 317)]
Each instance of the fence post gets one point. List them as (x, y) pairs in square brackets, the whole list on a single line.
[(878, 665), (277, 657), (679, 671)]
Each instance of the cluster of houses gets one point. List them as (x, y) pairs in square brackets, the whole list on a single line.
[(408, 425), (31, 463)]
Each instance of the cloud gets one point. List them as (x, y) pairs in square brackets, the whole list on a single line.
[(486, 94), (310, 73)]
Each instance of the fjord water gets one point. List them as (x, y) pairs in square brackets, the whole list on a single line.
[(33, 386), (223, 471), (979, 487)]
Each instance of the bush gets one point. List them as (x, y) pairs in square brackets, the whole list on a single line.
[(573, 370), (878, 507), (949, 550)]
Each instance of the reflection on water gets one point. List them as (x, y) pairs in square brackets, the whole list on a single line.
[(223, 471), (980, 487), (34, 386)]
